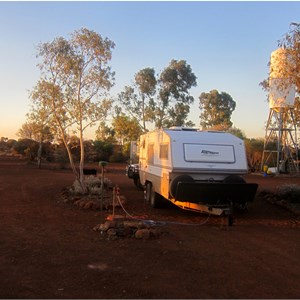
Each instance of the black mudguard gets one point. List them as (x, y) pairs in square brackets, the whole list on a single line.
[(215, 193)]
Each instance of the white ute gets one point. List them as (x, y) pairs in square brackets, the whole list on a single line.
[(195, 170)]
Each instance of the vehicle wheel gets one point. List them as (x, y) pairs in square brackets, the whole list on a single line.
[(148, 192), (155, 199), (174, 182), (130, 173), (234, 179), (137, 183)]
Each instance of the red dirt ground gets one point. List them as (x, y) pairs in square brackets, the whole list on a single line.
[(49, 250)]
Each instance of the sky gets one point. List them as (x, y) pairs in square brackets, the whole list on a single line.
[(227, 44)]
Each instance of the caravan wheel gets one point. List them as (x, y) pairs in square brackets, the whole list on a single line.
[(138, 184), (154, 199), (148, 191), (174, 182), (234, 179)]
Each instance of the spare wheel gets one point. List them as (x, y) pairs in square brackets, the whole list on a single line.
[(174, 182), (234, 179)]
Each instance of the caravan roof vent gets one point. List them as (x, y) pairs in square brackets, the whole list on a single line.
[(179, 128)]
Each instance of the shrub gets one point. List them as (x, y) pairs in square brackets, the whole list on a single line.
[(117, 158), (290, 192)]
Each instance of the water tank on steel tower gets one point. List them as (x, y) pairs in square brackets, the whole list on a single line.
[(282, 90), (281, 126)]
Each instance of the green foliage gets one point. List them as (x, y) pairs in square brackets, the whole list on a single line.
[(6, 145), (117, 157), (126, 129), (61, 156), (176, 80), (254, 151), (74, 146), (105, 133), (216, 110), (161, 101), (75, 76), (103, 150), (289, 192), (237, 132), (27, 147), (291, 42), (135, 99), (174, 99), (146, 81)]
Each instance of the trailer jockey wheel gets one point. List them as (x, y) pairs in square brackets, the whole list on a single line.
[(229, 214)]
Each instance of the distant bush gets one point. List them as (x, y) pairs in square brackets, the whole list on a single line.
[(61, 157), (103, 150), (254, 151), (117, 157)]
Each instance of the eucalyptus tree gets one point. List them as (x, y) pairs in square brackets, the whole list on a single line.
[(37, 131), (105, 133), (75, 78), (40, 122), (135, 99), (160, 100), (291, 43), (37, 127), (217, 109), (173, 102), (126, 129)]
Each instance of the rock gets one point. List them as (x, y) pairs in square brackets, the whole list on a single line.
[(77, 202), (134, 224), (96, 205), (111, 232), (142, 234), (124, 232), (107, 225), (97, 227), (81, 203), (154, 232), (115, 218), (114, 229), (88, 205)]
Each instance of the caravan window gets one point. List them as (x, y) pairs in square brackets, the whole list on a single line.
[(163, 151), (150, 159)]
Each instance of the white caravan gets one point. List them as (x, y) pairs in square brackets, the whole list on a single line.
[(195, 170)]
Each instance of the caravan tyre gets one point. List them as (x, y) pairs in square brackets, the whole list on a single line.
[(138, 184), (148, 191), (174, 182), (234, 179), (154, 199)]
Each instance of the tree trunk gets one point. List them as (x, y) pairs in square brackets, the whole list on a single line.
[(77, 176), (39, 154), (81, 164)]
